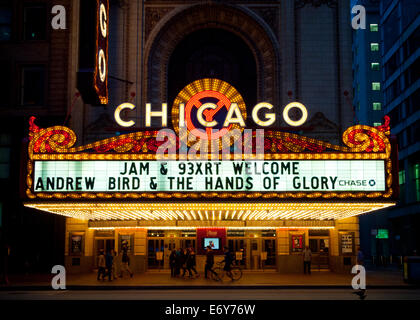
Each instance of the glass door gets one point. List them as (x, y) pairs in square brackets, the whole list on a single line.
[(269, 246), (155, 249), (238, 249), (320, 252)]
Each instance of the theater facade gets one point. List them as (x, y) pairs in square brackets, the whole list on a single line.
[(266, 194), (268, 76)]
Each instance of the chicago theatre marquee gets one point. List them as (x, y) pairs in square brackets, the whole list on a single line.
[(250, 147)]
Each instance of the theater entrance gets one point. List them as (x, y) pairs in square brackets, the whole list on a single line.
[(319, 243), (105, 244), (160, 244)]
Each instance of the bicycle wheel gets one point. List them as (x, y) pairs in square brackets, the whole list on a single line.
[(236, 273), (218, 275)]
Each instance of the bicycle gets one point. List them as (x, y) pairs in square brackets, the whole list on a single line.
[(219, 273)]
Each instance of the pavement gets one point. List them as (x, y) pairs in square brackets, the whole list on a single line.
[(382, 278)]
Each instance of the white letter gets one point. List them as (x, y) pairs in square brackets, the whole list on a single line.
[(270, 116), (163, 114), (359, 20), (58, 21), (117, 117), (359, 280), (181, 115), (239, 119), (301, 107), (102, 20), (200, 115), (59, 281)]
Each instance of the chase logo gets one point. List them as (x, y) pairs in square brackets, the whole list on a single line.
[(372, 182)]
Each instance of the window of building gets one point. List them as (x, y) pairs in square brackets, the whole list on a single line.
[(374, 66), (411, 44), (412, 74), (374, 46), (376, 106), (5, 151), (376, 86), (374, 27), (5, 23), (392, 64), (401, 177), (35, 22), (416, 169), (412, 102), (32, 90), (376, 124)]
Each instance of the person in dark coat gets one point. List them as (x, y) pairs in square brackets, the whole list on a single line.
[(191, 263), (178, 262), (109, 258), (183, 261), (209, 262), (172, 263)]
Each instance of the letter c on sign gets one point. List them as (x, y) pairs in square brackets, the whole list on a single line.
[(291, 122), (118, 111), (102, 20)]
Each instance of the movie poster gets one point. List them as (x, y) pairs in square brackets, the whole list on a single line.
[(297, 242)]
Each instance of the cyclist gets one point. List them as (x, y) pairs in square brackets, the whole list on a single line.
[(228, 260)]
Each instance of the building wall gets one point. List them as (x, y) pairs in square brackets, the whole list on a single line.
[(50, 53), (317, 75), (400, 31)]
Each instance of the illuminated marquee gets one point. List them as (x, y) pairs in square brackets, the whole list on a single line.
[(366, 155), (205, 176)]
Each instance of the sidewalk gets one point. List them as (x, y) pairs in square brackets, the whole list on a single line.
[(159, 280)]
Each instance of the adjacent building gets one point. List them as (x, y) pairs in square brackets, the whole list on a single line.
[(367, 76), (394, 232)]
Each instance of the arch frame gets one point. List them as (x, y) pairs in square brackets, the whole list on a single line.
[(184, 20)]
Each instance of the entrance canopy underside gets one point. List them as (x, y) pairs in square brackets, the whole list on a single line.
[(227, 212)]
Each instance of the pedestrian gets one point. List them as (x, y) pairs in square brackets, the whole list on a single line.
[(109, 260), (178, 262), (360, 256), (125, 263), (101, 265), (191, 262), (172, 263), (209, 262), (228, 260), (307, 257), (114, 263), (183, 261)]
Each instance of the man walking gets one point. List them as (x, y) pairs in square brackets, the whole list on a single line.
[(101, 265), (125, 263), (209, 262), (307, 257)]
